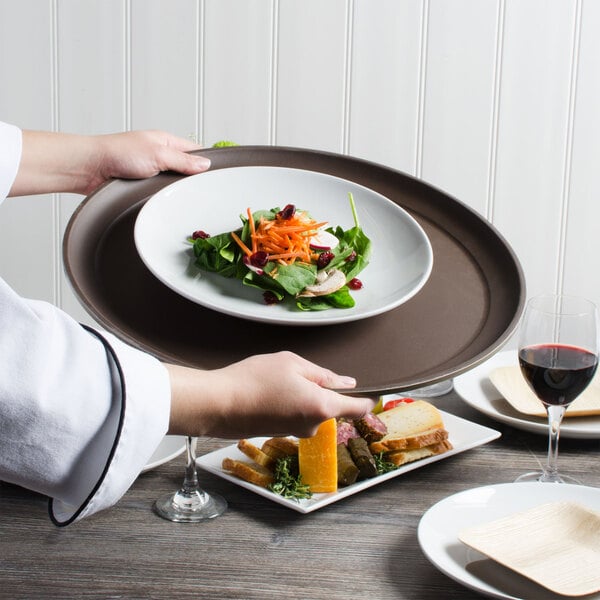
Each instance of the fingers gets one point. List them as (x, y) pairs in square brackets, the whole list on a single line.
[(182, 162), (322, 376), (349, 407), (357, 407)]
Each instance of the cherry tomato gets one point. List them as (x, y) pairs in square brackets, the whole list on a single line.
[(397, 402)]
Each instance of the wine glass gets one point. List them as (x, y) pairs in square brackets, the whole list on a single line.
[(190, 503), (558, 356)]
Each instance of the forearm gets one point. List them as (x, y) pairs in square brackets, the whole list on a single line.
[(56, 162), (197, 401), (62, 162)]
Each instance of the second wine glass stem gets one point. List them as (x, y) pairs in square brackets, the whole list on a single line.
[(555, 416), (190, 482)]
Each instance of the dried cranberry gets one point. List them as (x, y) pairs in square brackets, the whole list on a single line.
[(270, 297), (324, 259), (287, 212), (355, 284), (200, 235), (259, 259), (351, 257)]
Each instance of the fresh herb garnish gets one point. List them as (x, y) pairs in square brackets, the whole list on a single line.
[(288, 482), (383, 465)]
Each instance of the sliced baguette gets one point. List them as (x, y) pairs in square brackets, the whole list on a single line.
[(279, 447), (252, 473), (402, 457), (256, 454), (411, 442)]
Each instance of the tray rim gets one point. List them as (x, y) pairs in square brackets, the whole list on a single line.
[(287, 157)]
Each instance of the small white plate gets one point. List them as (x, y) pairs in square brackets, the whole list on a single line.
[(400, 263), (170, 447), (463, 435), (440, 526), (476, 389)]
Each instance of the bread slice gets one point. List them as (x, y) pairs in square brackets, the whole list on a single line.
[(280, 447), (402, 457), (256, 454), (252, 473), (411, 442), (407, 421)]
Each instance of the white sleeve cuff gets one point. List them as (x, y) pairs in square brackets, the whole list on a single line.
[(134, 429)]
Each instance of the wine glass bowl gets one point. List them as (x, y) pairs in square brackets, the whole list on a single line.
[(558, 357), (190, 503)]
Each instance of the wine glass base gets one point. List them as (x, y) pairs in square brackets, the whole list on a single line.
[(190, 507), (434, 390), (541, 477)]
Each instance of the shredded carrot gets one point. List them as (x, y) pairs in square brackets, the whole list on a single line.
[(241, 244), (283, 240)]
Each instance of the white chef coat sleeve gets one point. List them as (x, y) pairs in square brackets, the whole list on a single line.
[(80, 412), (10, 156)]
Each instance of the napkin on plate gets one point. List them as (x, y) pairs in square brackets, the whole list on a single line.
[(557, 545), (511, 384)]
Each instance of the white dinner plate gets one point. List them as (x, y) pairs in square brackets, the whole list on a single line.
[(400, 263), (169, 448), (439, 528), (463, 434), (476, 389)]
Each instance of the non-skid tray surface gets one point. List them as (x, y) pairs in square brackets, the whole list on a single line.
[(466, 311)]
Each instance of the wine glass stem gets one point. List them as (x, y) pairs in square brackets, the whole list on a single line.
[(190, 482), (555, 416)]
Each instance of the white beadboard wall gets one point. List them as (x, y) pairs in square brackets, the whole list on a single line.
[(494, 101)]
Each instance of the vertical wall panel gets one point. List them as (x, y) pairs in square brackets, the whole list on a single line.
[(27, 241), (533, 118), (237, 46), (494, 101), (91, 54), (459, 98), (164, 66), (582, 259), (310, 74), (385, 82), (91, 84)]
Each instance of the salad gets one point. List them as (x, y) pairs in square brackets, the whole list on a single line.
[(289, 256)]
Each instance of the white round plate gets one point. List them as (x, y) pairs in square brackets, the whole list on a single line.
[(400, 263), (170, 447), (476, 389), (439, 528)]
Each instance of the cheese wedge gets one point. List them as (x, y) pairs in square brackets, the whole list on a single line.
[(317, 459)]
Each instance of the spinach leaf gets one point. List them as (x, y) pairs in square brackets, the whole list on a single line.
[(340, 299), (218, 254)]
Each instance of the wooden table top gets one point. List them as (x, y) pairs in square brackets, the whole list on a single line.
[(362, 547)]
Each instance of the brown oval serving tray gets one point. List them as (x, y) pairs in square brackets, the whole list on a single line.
[(465, 312)]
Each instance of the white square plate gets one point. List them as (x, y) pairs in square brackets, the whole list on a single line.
[(463, 435)]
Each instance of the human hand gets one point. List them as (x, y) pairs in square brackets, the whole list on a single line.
[(140, 154), (270, 394)]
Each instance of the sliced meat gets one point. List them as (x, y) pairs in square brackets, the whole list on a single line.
[(346, 431), (371, 427)]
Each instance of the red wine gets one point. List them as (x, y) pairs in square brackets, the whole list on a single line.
[(557, 373)]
